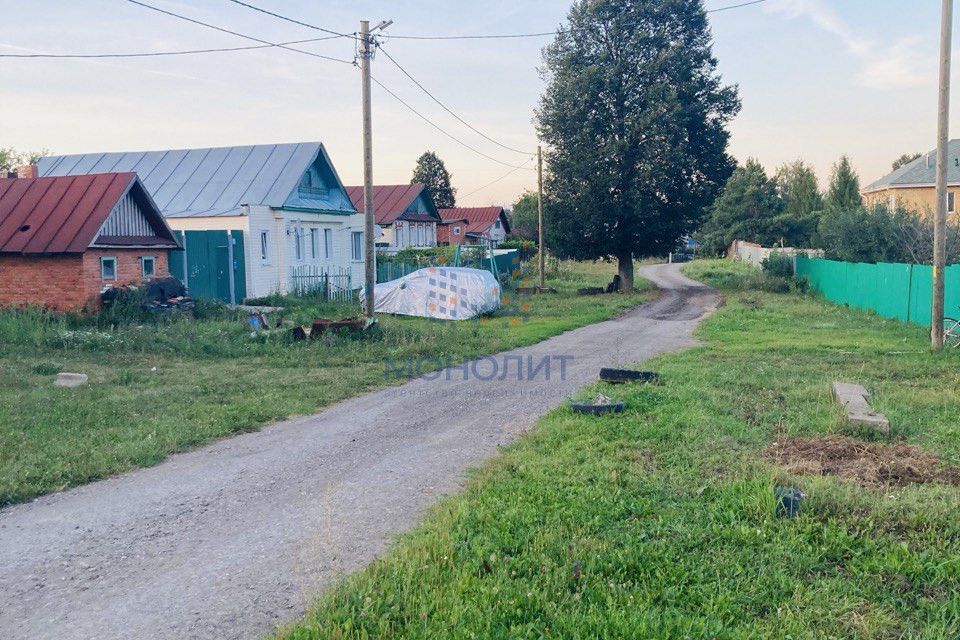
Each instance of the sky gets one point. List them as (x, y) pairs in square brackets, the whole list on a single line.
[(817, 78)]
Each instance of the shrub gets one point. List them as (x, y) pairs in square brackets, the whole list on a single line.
[(777, 265)]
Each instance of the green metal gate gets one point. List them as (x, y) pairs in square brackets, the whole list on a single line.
[(209, 263)]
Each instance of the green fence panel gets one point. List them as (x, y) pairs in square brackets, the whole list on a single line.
[(892, 290), (239, 266)]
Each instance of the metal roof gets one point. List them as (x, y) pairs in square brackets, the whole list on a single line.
[(64, 214), (479, 219), (208, 182), (922, 171), (391, 201)]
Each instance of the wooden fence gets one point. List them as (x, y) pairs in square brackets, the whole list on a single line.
[(331, 283)]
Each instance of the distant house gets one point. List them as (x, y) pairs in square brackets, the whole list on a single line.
[(452, 231), (282, 206), (64, 240), (405, 213), (913, 186), (483, 224)]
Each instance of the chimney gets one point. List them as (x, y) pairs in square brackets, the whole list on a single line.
[(28, 171)]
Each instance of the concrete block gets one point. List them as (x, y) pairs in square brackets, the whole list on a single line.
[(70, 379), (853, 398)]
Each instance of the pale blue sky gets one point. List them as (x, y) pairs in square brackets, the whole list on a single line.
[(817, 78)]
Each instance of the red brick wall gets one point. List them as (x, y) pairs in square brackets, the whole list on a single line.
[(69, 283), (445, 234)]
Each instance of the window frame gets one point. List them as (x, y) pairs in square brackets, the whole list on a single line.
[(264, 246), (951, 201), (143, 266), (456, 230), (103, 261), (356, 246), (327, 243), (314, 243), (297, 243)]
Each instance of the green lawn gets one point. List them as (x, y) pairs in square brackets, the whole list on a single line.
[(159, 388), (660, 522)]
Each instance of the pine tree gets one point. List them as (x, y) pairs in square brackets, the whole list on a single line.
[(746, 210), (802, 204), (844, 191), (431, 171)]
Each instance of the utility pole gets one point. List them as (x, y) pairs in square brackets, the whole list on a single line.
[(940, 219), (370, 266), (542, 249)]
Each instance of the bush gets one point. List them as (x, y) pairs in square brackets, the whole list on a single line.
[(777, 265)]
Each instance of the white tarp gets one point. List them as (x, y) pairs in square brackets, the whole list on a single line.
[(446, 293)]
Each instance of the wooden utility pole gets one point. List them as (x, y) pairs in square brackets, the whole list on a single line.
[(541, 247), (940, 219), (370, 267)]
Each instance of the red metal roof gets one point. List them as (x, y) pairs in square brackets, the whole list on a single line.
[(389, 201), (60, 214), (479, 219)]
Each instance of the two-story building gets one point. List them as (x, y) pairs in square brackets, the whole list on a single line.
[(913, 186)]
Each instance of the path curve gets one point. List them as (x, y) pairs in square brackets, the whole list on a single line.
[(230, 539)]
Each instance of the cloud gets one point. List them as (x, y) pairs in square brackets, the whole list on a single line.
[(899, 64)]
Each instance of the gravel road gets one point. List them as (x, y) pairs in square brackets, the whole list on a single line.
[(229, 540)]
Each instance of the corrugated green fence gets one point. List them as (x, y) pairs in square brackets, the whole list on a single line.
[(900, 291)]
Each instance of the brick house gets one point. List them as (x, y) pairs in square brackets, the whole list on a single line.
[(453, 230), (477, 224), (64, 240)]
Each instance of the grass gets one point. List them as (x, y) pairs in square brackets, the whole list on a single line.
[(660, 522), (170, 384)]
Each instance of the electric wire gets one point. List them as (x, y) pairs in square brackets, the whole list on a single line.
[(448, 109), (442, 130), (235, 33), (153, 54)]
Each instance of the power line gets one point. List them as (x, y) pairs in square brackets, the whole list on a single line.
[(503, 177), (236, 33), (541, 34), (151, 54), (447, 109), (442, 130), (292, 20)]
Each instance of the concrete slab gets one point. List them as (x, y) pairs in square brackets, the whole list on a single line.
[(853, 398), (70, 379)]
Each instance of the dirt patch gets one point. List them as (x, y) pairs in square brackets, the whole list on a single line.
[(868, 463)]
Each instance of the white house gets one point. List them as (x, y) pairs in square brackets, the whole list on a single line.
[(286, 199), (405, 213)]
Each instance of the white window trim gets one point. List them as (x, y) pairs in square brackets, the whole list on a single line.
[(456, 230), (314, 243), (143, 268), (353, 255), (103, 276), (264, 239), (327, 244)]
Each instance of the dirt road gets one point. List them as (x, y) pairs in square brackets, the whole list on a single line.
[(232, 538)]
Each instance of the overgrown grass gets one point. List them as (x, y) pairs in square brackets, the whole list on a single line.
[(171, 383), (660, 522)]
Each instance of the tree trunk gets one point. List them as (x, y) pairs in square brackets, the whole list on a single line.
[(625, 271)]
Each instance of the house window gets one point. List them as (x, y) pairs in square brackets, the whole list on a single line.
[(314, 243), (357, 245), (419, 235), (456, 231), (265, 247), (108, 268), (950, 201), (311, 186), (328, 244), (297, 243), (496, 225), (148, 266)]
